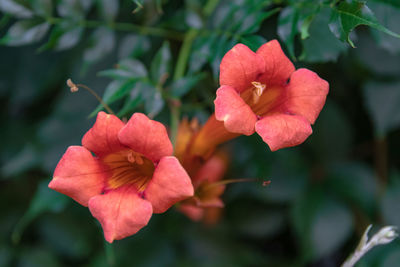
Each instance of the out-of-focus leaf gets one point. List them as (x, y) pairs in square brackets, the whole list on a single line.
[(392, 259), (24, 160), (15, 9), (115, 91), (193, 20), (253, 41), (287, 27), (102, 42), (153, 101), (331, 226), (134, 100), (252, 22), (355, 182), (133, 46), (202, 48), (346, 16), (161, 64), (25, 32), (389, 16), (390, 201), (321, 223), (331, 143), (63, 37), (321, 45), (182, 86), (382, 100), (42, 7), (108, 9), (44, 200), (74, 9), (37, 256), (222, 46), (126, 69)]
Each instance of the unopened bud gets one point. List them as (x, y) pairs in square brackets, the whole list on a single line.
[(386, 235), (72, 86)]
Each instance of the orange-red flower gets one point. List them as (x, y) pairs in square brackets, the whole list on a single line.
[(131, 176), (208, 189), (262, 92)]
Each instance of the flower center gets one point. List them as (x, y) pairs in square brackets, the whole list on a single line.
[(260, 98), (129, 167), (257, 91)]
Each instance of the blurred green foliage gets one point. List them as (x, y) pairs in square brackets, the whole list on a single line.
[(155, 56)]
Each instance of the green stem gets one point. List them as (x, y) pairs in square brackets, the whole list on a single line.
[(107, 107), (181, 64), (110, 255)]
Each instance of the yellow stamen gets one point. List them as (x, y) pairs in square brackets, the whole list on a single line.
[(257, 91)]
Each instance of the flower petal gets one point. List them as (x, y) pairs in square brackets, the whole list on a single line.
[(306, 94), (278, 67), (79, 175), (121, 212), (283, 130), (239, 67), (146, 136), (102, 138), (169, 185), (236, 114)]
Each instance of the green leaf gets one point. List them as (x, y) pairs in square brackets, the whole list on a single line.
[(133, 46), (202, 49), (252, 22), (74, 9), (102, 42), (63, 37), (382, 100), (115, 90), (253, 41), (161, 64), (287, 27), (320, 45), (44, 200), (182, 86), (25, 32), (321, 223), (23, 161), (331, 226), (15, 9), (127, 69), (42, 8), (390, 201), (108, 9), (135, 99), (347, 16), (388, 15)]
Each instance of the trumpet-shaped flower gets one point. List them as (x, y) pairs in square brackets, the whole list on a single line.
[(262, 92), (131, 176)]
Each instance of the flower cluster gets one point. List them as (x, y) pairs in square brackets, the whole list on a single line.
[(125, 172)]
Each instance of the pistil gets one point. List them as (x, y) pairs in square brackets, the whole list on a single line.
[(257, 91)]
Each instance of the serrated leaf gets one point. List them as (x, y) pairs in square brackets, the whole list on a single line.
[(25, 32), (44, 200), (321, 45), (388, 15), (161, 64), (182, 86), (15, 9), (382, 100), (347, 16), (102, 42)]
